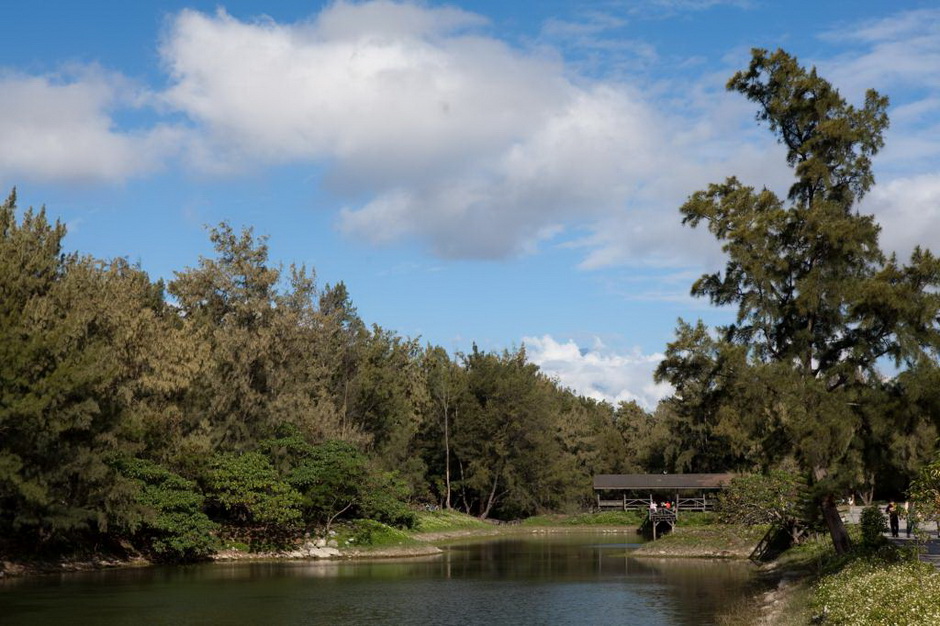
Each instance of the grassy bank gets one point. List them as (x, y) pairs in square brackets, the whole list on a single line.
[(878, 589), (705, 541), (604, 518), (446, 521), (811, 584)]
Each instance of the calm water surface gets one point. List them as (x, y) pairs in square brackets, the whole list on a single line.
[(572, 578)]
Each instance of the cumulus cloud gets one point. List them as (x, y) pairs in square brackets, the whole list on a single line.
[(899, 55), (598, 372), (451, 137), (386, 88), (902, 49), (908, 210), (59, 127), (477, 148), (433, 130)]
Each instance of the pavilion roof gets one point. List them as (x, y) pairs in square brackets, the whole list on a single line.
[(661, 482)]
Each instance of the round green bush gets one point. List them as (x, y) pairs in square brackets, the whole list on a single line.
[(874, 525)]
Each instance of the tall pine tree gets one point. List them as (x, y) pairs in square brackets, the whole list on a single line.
[(818, 303)]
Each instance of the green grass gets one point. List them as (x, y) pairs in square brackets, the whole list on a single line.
[(706, 541), (696, 519), (364, 533), (443, 521), (604, 518), (817, 555)]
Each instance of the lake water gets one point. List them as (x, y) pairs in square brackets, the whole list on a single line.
[(570, 578)]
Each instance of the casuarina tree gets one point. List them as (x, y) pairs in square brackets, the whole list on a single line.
[(819, 306)]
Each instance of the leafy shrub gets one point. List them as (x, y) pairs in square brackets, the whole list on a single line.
[(370, 533), (330, 480), (245, 490), (336, 481), (173, 526), (873, 525), (925, 491), (772, 498), (384, 501)]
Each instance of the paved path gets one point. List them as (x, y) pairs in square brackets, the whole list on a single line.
[(930, 553)]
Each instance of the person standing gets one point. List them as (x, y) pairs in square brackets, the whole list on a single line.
[(893, 519)]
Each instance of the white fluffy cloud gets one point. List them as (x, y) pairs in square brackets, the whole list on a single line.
[(435, 131), (599, 372), (60, 128), (452, 137), (900, 56), (477, 148), (909, 212)]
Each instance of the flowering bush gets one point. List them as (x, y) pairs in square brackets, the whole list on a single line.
[(875, 591)]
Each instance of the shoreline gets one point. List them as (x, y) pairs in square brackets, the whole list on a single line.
[(705, 542), (424, 546), (776, 586)]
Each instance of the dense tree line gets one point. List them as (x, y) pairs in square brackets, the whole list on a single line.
[(243, 400), (240, 399)]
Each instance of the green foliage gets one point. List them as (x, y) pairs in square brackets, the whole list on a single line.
[(818, 304), (331, 480), (273, 396), (873, 525), (63, 391), (244, 490), (445, 520), (506, 430), (925, 491), (873, 590), (384, 500), (603, 518), (173, 526), (811, 553), (776, 497), (259, 341), (365, 533)]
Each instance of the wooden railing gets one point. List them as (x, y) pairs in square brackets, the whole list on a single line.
[(683, 503)]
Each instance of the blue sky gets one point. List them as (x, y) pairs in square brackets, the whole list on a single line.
[(491, 172)]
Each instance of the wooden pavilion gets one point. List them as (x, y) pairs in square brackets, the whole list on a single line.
[(689, 492)]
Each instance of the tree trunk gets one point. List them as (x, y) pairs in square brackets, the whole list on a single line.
[(332, 518), (492, 497), (463, 490), (447, 458), (840, 537), (869, 494)]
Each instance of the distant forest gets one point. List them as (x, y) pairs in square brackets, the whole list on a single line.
[(238, 391)]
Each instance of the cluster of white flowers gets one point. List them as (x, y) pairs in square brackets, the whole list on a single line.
[(872, 592)]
